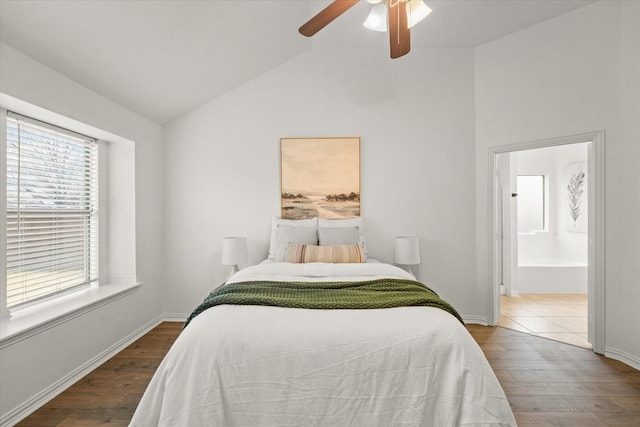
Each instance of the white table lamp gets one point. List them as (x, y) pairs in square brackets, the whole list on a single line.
[(407, 252), (234, 252)]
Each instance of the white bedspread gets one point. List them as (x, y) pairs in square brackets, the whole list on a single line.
[(271, 366)]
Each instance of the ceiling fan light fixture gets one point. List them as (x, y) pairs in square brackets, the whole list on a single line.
[(377, 19), (417, 10)]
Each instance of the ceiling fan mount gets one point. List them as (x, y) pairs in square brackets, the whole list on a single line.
[(398, 16)]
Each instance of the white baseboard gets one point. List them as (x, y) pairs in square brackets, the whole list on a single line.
[(476, 320), (623, 357), (25, 409), (175, 317)]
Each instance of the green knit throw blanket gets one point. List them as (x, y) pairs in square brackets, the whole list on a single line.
[(380, 293)]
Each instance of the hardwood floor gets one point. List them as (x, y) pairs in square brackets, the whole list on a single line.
[(109, 395), (553, 383), (548, 383)]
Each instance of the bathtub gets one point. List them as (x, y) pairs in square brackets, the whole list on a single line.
[(551, 276)]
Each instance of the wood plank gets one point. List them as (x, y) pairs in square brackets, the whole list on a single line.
[(516, 388), (544, 419), (543, 403)]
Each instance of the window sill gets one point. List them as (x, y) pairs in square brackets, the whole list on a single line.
[(28, 321), (534, 233)]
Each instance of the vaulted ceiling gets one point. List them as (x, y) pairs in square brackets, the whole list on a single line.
[(163, 58)]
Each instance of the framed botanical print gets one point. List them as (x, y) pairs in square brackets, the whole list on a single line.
[(320, 177), (576, 193)]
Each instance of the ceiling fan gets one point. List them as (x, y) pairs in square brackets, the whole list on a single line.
[(402, 15)]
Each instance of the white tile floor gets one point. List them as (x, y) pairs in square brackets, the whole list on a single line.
[(560, 317)]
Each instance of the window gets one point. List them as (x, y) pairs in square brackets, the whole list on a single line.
[(51, 209), (531, 203)]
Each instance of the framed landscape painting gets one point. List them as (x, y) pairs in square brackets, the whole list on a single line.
[(320, 177)]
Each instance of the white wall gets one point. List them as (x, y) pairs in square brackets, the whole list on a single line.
[(32, 365), (577, 73), (556, 241), (416, 122)]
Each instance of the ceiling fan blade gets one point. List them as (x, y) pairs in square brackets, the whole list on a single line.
[(399, 33), (326, 15)]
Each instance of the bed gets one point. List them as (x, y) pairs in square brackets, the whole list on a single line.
[(247, 363)]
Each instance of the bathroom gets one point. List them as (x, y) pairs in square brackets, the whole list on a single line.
[(552, 220), (545, 264)]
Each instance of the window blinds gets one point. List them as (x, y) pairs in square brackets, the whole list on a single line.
[(52, 215)]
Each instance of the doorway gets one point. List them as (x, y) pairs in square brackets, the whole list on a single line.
[(546, 197), (539, 257)]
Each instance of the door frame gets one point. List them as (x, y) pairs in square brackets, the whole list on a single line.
[(596, 231), (507, 237)]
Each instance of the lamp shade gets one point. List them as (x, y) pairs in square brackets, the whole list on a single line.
[(234, 250), (417, 10), (406, 250), (377, 19)]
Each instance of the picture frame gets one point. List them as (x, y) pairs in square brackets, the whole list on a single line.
[(576, 194), (320, 177)]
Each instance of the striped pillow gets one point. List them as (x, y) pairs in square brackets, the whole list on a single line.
[(301, 253)]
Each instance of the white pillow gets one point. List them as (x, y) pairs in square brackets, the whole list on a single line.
[(333, 236), (282, 233), (288, 234), (345, 223), (336, 223)]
